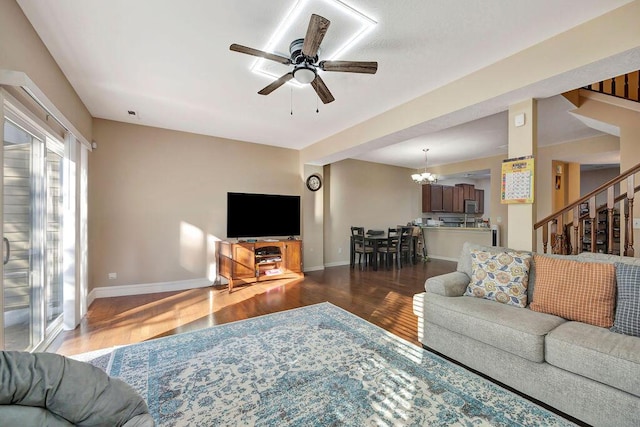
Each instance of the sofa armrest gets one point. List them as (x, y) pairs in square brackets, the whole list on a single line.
[(448, 285)]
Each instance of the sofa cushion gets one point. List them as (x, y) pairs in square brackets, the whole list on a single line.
[(596, 353), (627, 318), (500, 277), (582, 291), (518, 331)]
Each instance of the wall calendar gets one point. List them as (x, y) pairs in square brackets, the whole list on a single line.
[(517, 180)]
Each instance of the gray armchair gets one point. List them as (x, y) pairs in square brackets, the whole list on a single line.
[(44, 389)]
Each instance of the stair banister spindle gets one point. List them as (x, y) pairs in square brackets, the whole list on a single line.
[(627, 227), (610, 197), (545, 236), (626, 86), (560, 234), (576, 222), (592, 216), (613, 86), (628, 250)]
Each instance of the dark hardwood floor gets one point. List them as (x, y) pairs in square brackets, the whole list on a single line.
[(382, 297)]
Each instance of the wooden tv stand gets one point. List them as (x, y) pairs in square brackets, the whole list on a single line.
[(250, 262)]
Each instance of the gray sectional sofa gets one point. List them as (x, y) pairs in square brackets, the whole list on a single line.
[(585, 371)]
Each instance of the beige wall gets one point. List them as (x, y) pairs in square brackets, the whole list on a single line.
[(366, 194), (602, 144), (313, 221), (157, 199), (590, 180), (22, 50)]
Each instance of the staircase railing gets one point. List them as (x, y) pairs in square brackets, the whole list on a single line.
[(567, 236), (625, 86)]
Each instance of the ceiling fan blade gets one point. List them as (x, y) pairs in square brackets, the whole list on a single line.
[(315, 33), (322, 90), (260, 53), (350, 66), (276, 84)]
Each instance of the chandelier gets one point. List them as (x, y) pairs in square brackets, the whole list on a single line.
[(424, 177)]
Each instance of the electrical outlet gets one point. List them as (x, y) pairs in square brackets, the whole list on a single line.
[(113, 276), (636, 222), (339, 250)]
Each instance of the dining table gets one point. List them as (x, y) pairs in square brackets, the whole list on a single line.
[(376, 240)]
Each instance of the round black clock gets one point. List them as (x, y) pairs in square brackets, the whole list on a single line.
[(314, 182)]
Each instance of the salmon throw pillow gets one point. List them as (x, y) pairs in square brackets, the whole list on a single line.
[(580, 291)]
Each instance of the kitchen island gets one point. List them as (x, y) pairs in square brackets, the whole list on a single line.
[(446, 242)]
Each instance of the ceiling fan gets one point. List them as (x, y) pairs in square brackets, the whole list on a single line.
[(304, 58)]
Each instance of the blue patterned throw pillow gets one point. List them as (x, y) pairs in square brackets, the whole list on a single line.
[(501, 277), (627, 318)]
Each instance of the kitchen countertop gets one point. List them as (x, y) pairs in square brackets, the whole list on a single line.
[(456, 228)]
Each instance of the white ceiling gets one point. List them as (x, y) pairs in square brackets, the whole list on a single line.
[(170, 62)]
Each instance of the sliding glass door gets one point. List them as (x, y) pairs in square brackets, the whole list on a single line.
[(32, 235)]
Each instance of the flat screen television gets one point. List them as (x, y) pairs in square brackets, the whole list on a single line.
[(262, 215)]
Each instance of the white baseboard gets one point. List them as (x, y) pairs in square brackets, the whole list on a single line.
[(337, 263), (146, 288), (316, 268), (444, 258)]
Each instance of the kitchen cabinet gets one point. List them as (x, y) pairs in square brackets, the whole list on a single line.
[(458, 200), (450, 199), (432, 198), (479, 198), (447, 198), (468, 191)]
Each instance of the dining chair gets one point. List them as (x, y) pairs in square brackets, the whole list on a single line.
[(389, 248), (360, 245), (405, 243)]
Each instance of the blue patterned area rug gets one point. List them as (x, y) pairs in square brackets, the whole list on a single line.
[(313, 366)]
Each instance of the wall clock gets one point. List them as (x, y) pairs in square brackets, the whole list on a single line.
[(314, 182)]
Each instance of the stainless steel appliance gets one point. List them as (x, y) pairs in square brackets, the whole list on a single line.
[(470, 206)]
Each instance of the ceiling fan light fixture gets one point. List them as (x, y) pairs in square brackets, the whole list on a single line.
[(304, 74)]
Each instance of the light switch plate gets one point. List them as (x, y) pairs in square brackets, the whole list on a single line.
[(519, 120), (636, 222)]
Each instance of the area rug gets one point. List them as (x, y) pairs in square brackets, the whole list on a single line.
[(313, 366)]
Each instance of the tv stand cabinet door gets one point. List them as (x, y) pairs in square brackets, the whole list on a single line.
[(243, 260), (293, 256)]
